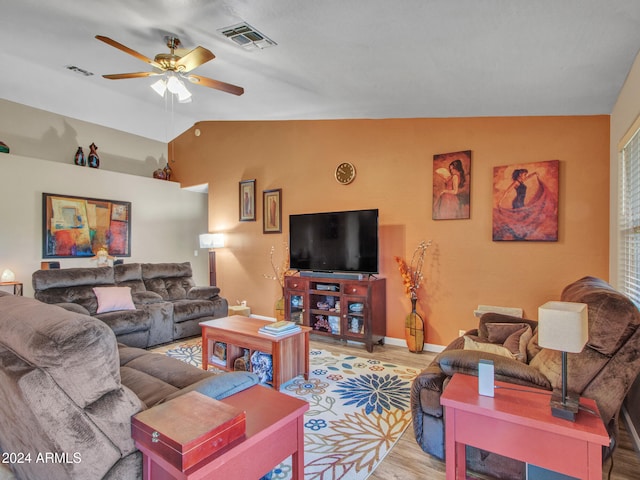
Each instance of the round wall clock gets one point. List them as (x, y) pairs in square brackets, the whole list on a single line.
[(345, 173)]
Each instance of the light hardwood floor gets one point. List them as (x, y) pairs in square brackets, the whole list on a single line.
[(407, 461)]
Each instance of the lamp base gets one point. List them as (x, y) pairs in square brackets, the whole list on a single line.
[(567, 409)]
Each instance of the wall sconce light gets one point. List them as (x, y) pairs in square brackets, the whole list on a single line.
[(212, 241), (563, 326)]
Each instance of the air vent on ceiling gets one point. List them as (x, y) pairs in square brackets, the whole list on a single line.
[(247, 37), (82, 71)]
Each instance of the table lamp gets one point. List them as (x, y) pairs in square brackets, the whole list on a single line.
[(7, 276), (212, 240), (563, 326)]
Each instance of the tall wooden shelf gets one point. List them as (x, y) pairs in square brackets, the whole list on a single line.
[(342, 308)]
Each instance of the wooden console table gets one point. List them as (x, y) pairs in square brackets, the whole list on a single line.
[(274, 431), (345, 309), (289, 353), (517, 423)]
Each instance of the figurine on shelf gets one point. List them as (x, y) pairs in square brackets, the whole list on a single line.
[(167, 172), (94, 160), (79, 158), (159, 174)]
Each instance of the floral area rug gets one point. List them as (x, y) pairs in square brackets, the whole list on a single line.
[(358, 409)]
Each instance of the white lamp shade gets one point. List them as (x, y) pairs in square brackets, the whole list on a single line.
[(174, 85), (212, 240), (8, 276), (563, 326), (160, 87)]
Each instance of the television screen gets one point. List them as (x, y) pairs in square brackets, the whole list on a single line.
[(334, 241)]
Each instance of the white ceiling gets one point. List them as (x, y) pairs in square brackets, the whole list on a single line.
[(333, 59)]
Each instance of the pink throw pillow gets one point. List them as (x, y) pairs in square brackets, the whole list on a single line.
[(111, 299)]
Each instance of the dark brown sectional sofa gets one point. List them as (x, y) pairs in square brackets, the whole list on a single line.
[(168, 304), (69, 389)]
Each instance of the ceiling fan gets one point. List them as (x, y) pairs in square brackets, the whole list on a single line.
[(173, 65)]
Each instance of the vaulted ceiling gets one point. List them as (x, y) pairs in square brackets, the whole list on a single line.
[(332, 58)]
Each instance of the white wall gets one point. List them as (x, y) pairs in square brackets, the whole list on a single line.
[(35, 133), (624, 115), (166, 220)]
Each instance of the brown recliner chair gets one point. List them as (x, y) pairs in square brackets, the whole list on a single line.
[(603, 371)]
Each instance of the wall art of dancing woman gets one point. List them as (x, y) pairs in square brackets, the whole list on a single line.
[(525, 202), (451, 181)]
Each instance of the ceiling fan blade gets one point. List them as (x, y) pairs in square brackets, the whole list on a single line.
[(194, 58), (218, 85), (125, 49), (120, 76)]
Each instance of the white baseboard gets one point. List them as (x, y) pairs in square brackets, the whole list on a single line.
[(262, 317), (401, 342)]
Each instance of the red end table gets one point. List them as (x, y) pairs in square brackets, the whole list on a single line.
[(517, 423), (274, 431)]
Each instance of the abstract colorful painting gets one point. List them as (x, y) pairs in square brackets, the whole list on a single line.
[(79, 226), (525, 202), (451, 182)]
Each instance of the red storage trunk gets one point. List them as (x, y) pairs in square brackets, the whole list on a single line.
[(188, 429)]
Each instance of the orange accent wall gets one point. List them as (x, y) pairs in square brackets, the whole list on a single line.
[(393, 159)]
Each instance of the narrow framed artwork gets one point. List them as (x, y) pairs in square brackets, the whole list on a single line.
[(525, 202), (451, 186), (248, 200), (272, 214), (80, 227)]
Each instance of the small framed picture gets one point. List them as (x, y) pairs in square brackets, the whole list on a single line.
[(451, 182), (248, 200), (272, 214)]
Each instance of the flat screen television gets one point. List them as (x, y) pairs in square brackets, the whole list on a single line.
[(334, 241)]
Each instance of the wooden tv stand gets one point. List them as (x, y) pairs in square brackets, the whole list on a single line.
[(343, 308)]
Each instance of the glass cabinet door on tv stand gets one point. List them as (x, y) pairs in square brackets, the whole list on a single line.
[(347, 309), (295, 299)]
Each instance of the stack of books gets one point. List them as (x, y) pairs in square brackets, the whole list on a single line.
[(280, 328)]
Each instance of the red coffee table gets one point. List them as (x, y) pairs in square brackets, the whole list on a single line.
[(289, 353)]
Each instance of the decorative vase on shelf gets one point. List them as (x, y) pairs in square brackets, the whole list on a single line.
[(159, 174), (279, 309), (414, 329), (93, 160), (79, 158), (167, 172)]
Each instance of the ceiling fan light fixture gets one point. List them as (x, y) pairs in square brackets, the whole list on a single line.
[(184, 95), (173, 69), (174, 84), (160, 87)]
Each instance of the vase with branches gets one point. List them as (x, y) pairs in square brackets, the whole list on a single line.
[(280, 271), (412, 280)]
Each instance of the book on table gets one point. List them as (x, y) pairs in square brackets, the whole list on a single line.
[(280, 326), (279, 333)]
